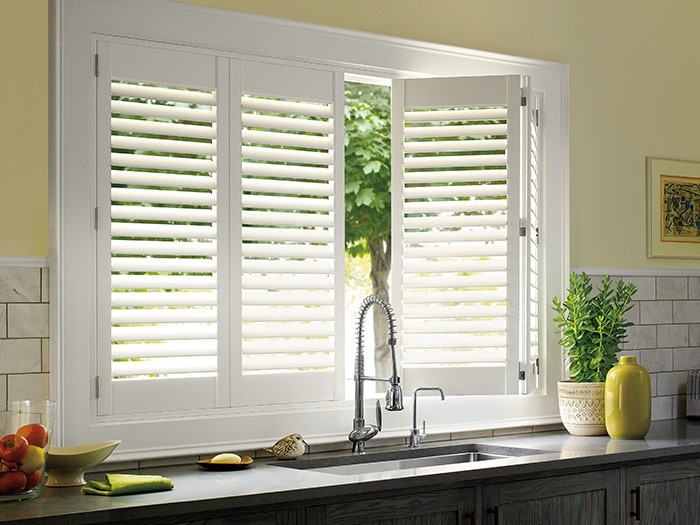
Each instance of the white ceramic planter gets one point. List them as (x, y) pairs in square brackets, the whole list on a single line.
[(582, 407)]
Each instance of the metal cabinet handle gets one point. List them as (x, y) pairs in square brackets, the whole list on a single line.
[(636, 513), (494, 511)]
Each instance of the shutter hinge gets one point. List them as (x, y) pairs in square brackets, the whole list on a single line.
[(523, 98), (97, 387), (97, 65), (536, 366), (97, 217), (521, 375), (537, 117), (522, 230)]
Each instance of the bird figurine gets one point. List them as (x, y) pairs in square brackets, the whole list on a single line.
[(289, 447)]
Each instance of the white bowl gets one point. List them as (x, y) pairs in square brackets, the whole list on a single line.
[(66, 466)]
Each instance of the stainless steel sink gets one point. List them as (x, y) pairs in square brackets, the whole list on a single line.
[(349, 465)]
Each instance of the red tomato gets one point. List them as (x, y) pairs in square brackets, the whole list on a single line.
[(33, 479), (13, 448), (13, 482), (35, 433)]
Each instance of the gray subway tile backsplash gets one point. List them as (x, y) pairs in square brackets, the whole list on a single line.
[(634, 313), (672, 335), (640, 336), (45, 295), (655, 312), (27, 320), (671, 383), (28, 386), (3, 320), (24, 332), (671, 288), (20, 356), (655, 360), (3, 391), (686, 311), (661, 407), (665, 337), (20, 285), (693, 288), (686, 358), (646, 287), (694, 334)]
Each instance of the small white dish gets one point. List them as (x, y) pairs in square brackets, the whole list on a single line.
[(66, 466)]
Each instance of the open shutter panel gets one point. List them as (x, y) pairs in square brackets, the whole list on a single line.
[(459, 227), (291, 235), (532, 339), (158, 199)]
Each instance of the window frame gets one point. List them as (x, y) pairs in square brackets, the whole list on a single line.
[(74, 24)]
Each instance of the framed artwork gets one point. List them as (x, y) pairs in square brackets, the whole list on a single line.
[(673, 208)]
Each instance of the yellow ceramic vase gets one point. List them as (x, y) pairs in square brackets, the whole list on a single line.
[(627, 400)]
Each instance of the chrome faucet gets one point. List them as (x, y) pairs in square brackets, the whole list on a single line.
[(394, 397), (416, 435)]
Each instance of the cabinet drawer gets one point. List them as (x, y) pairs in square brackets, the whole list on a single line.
[(430, 508)]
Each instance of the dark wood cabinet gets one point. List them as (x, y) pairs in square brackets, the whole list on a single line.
[(445, 507), (663, 493), (584, 499), (235, 517)]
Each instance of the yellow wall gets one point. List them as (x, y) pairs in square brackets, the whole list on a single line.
[(634, 92), (24, 127)]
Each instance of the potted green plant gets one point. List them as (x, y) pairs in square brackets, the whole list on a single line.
[(592, 328)]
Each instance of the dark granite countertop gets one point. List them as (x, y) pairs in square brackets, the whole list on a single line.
[(266, 484)]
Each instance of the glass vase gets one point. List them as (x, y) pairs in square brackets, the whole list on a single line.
[(25, 433)]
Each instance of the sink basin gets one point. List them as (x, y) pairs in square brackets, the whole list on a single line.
[(349, 465)]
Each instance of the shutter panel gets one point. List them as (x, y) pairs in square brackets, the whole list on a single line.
[(291, 235), (459, 142), (532, 203), (158, 230)]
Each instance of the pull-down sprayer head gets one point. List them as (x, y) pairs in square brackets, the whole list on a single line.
[(394, 398)]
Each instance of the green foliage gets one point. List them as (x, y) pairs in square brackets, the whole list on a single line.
[(592, 327), (367, 165)]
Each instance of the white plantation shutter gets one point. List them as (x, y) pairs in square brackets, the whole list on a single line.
[(532, 204), (458, 145), (159, 231), (291, 235)]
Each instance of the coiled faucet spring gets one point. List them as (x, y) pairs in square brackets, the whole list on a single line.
[(394, 397)]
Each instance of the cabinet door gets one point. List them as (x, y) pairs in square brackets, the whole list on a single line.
[(449, 507), (233, 517), (584, 499), (664, 493)]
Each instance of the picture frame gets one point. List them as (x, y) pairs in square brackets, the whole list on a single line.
[(673, 208)]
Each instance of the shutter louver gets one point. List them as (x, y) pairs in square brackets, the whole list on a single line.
[(533, 240), (460, 214), (163, 232), (289, 248)]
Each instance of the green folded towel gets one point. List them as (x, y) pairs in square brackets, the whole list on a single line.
[(119, 484)]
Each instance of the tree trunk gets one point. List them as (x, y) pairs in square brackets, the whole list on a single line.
[(380, 257)]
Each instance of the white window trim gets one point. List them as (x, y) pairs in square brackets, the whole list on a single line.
[(75, 23)]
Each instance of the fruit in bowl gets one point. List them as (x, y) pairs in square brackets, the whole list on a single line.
[(35, 434), (22, 458)]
